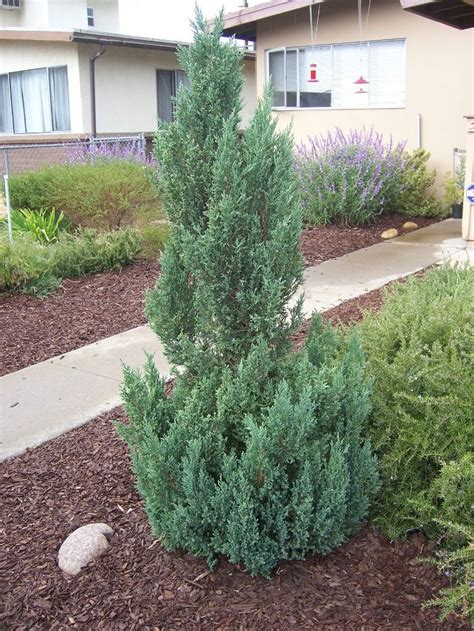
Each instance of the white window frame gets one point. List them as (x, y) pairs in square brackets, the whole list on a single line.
[(286, 49), (30, 133), (90, 16)]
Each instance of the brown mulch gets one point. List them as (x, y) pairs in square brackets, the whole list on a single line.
[(328, 242), (82, 311), (84, 476), (85, 310)]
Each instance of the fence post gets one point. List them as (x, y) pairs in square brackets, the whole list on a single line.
[(7, 194)]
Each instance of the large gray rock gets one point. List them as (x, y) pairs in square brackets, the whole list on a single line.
[(82, 546)]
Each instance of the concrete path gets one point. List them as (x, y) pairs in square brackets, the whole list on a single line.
[(54, 396)]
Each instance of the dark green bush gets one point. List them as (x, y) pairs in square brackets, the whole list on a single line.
[(26, 265), (416, 197), (257, 454), (105, 195), (420, 353)]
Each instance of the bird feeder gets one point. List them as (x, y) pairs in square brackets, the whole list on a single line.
[(361, 81), (312, 74)]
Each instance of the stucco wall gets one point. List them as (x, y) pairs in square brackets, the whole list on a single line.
[(126, 95), (62, 15), (126, 88), (22, 55), (439, 74)]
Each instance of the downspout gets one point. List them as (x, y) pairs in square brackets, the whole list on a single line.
[(418, 131), (92, 61)]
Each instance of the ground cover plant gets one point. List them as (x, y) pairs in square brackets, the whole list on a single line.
[(31, 266), (420, 353), (257, 454)]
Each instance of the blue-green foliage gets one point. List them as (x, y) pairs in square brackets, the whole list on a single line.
[(258, 465), (257, 454)]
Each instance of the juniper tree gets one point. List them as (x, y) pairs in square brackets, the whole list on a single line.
[(257, 454)]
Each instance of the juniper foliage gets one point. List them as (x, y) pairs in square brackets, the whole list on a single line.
[(257, 454)]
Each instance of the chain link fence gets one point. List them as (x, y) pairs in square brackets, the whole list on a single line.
[(22, 157)]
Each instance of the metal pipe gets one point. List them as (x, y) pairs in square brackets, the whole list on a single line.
[(92, 61), (7, 195), (418, 131)]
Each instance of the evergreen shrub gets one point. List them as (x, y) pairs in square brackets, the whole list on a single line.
[(417, 198), (30, 266), (257, 454), (420, 353)]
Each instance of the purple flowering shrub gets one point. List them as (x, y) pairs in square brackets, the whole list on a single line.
[(101, 151), (349, 178)]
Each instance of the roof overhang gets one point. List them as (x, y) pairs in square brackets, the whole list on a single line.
[(456, 13), (243, 24), (99, 39)]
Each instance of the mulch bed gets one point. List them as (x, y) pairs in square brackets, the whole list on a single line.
[(328, 242), (82, 311), (84, 476), (88, 309)]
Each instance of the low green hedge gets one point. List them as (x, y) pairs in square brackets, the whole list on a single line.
[(102, 195), (29, 266)]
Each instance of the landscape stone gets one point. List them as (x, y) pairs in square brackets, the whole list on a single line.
[(389, 234), (410, 225), (83, 546)]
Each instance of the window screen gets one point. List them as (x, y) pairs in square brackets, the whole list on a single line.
[(168, 83)]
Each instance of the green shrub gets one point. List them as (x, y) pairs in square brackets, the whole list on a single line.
[(43, 224), (420, 353), (458, 564), (27, 265), (153, 239), (22, 261), (415, 198), (104, 195), (257, 454)]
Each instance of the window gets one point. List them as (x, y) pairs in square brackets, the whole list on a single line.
[(324, 76), (168, 82), (90, 16), (34, 101), (10, 4)]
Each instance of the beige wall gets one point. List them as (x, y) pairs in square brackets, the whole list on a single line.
[(126, 88), (125, 82), (62, 15), (439, 74)]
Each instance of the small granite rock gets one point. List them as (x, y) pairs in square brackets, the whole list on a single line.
[(82, 546), (389, 234), (410, 225)]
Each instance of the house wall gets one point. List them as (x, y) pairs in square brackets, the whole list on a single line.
[(51, 15), (23, 55), (439, 74), (126, 94), (126, 98)]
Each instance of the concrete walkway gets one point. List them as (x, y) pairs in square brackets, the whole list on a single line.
[(54, 396)]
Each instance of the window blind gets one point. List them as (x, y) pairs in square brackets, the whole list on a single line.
[(338, 67), (387, 73)]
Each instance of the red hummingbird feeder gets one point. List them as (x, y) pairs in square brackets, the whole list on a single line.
[(312, 74), (361, 81)]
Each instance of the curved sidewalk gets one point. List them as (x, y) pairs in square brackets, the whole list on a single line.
[(47, 399)]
